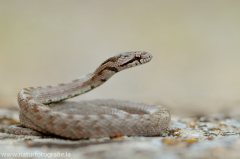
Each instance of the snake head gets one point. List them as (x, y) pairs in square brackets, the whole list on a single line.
[(122, 61), (131, 59)]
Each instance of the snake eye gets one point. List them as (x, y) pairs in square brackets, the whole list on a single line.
[(137, 56)]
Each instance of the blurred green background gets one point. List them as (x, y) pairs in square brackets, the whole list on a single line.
[(195, 46)]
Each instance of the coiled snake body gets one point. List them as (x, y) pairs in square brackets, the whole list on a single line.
[(41, 111)]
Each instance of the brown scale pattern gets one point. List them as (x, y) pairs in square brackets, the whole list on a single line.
[(41, 111)]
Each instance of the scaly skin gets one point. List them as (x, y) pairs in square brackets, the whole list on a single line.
[(42, 112)]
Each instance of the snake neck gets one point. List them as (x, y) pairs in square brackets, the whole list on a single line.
[(63, 91)]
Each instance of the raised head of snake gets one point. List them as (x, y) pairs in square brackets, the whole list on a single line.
[(120, 62), (128, 59), (91, 80)]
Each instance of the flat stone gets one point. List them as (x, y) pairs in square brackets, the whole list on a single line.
[(196, 137)]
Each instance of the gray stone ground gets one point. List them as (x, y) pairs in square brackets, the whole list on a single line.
[(213, 136)]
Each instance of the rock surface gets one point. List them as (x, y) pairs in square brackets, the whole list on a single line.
[(214, 136)]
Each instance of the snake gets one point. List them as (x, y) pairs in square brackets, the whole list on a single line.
[(43, 110)]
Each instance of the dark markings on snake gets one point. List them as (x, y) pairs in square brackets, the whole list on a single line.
[(112, 59), (108, 68), (130, 62), (112, 69), (103, 80)]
